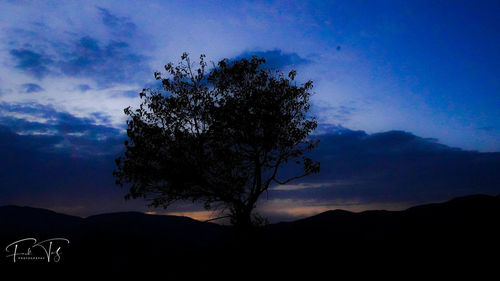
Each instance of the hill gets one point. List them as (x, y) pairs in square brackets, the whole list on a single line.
[(461, 231)]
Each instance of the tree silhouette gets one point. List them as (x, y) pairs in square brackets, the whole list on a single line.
[(218, 137)]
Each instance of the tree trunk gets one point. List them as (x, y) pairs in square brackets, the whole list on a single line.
[(241, 218)]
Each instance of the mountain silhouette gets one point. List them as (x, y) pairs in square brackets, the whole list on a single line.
[(460, 232), (18, 221)]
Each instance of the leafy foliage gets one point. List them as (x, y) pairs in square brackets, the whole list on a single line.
[(218, 137)]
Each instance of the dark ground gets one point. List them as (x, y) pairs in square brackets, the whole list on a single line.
[(461, 235)]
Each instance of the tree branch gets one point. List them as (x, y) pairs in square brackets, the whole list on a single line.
[(223, 217)]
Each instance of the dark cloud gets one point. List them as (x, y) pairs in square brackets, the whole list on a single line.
[(327, 128), (32, 62), (120, 25), (30, 142), (74, 160), (129, 94), (32, 175), (106, 61), (82, 137), (395, 166), (56, 160), (32, 88), (276, 59), (101, 117), (335, 114), (84, 87)]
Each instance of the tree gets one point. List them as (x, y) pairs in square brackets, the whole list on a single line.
[(218, 137)]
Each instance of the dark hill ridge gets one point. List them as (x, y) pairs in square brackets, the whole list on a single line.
[(120, 243), (134, 225), (461, 206), (15, 221), (468, 210), (458, 235), (18, 221), (469, 216)]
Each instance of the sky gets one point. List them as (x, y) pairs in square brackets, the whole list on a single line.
[(411, 71)]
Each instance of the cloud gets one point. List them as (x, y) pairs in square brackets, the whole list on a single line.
[(393, 166), (304, 185), (58, 161), (107, 63), (32, 62), (392, 169), (307, 185), (36, 142), (120, 25), (276, 59), (101, 117), (127, 94), (328, 114), (108, 56), (82, 137), (56, 179), (32, 88), (327, 128), (83, 87)]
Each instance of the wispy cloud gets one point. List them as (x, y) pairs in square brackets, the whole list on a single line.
[(310, 185), (107, 62), (32, 62), (121, 26), (83, 87), (32, 88), (81, 136), (333, 114)]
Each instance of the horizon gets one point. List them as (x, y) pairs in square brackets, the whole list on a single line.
[(208, 218)]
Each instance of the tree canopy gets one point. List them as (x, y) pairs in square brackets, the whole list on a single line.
[(217, 135)]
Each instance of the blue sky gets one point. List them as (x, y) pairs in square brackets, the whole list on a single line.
[(429, 68)]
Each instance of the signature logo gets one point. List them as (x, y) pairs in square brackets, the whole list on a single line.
[(29, 249)]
